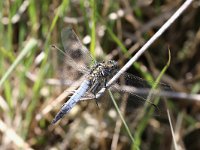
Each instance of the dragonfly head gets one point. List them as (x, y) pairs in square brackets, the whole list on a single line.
[(111, 65)]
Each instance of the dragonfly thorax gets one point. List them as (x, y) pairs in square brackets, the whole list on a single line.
[(100, 73), (103, 69)]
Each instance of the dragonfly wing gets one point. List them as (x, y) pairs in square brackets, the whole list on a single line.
[(135, 100), (138, 87), (75, 59), (138, 90), (74, 50), (138, 82)]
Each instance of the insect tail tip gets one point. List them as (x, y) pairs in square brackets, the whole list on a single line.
[(53, 46), (53, 121)]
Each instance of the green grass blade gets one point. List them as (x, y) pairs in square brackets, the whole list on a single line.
[(146, 117), (93, 31), (29, 46), (116, 40), (43, 71), (32, 15), (121, 117), (136, 65)]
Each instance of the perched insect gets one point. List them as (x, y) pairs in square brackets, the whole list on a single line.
[(96, 76)]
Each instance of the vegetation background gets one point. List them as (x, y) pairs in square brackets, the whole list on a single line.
[(30, 95)]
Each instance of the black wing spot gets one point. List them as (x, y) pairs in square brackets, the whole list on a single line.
[(77, 54)]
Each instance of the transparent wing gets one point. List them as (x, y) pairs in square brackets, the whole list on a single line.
[(138, 90), (74, 50), (75, 59), (135, 81)]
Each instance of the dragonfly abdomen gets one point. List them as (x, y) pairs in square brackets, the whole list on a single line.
[(80, 92)]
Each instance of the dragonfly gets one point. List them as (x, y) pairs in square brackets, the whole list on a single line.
[(97, 74)]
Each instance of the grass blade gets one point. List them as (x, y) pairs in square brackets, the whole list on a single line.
[(29, 46), (146, 116), (122, 118)]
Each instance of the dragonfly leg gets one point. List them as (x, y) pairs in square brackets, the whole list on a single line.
[(95, 98), (105, 81)]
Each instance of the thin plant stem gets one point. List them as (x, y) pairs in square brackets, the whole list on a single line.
[(122, 118), (184, 6), (29, 46)]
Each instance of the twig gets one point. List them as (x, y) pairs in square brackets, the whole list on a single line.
[(151, 40), (172, 130), (170, 94), (13, 136), (16, 18)]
